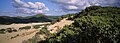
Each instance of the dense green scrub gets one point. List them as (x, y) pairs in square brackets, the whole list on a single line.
[(93, 25)]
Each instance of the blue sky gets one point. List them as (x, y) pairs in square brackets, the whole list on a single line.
[(49, 7), (5, 5), (7, 9)]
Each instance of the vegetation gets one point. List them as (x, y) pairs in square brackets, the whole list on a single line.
[(28, 19), (44, 31), (15, 36), (37, 26), (26, 27), (9, 30), (36, 38), (95, 24), (2, 31), (14, 30), (53, 18), (63, 16)]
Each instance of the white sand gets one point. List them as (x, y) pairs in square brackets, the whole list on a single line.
[(57, 26), (16, 26), (23, 34)]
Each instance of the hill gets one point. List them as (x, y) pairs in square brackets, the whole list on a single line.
[(95, 24), (28, 19)]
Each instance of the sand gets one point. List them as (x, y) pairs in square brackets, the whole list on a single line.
[(20, 35), (23, 35), (17, 26), (59, 25)]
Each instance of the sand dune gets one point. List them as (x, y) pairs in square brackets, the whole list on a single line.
[(58, 25), (20, 35), (16, 26)]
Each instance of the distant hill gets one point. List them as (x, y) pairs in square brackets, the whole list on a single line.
[(28, 19)]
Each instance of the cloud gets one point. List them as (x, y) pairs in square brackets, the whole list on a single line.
[(9, 13), (29, 7), (72, 4), (77, 5), (70, 7)]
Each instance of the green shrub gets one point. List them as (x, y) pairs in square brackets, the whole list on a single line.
[(2, 31), (9, 30), (14, 30), (44, 31), (34, 39), (26, 27), (37, 26)]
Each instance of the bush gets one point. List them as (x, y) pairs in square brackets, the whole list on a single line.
[(26, 27), (14, 30), (37, 26), (2, 31), (44, 31), (9, 30)]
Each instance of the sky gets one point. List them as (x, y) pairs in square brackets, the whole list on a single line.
[(49, 7)]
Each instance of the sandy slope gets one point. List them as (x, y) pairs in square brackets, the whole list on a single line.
[(57, 26), (54, 28)]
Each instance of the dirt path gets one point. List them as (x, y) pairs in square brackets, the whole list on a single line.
[(57, 26)]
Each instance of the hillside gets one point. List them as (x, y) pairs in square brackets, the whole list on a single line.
[(95, 24), (28, 19)]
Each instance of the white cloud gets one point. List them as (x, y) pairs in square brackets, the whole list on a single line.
[(82, 4), (65, 5), (72, 4), (29, 7), (71, 7)]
